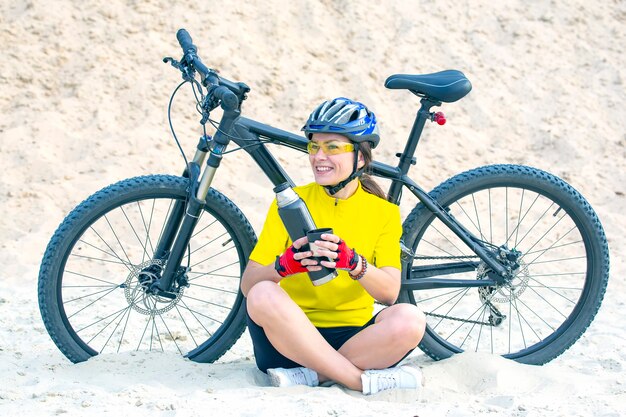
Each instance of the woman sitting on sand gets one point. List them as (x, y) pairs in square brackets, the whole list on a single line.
[(305, 334)]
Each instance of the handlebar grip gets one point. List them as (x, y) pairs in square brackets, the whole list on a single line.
[(229, 99), (184, 39)]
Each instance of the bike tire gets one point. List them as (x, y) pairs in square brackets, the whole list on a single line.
[(559, 285), (90, 297)]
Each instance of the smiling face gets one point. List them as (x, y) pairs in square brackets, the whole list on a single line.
[(332, 169)]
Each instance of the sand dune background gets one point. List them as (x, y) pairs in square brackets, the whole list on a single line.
[(83, 104)]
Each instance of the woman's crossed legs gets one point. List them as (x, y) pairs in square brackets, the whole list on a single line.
[(396, 331)]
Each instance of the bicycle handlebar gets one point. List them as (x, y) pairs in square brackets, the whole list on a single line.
[(219, 88)]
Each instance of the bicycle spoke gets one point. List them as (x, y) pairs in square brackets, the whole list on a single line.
[(469, 332), (452, 307), (470, 219), (144, 250), (520, 218), (208, 243), (446, 238), (115, 328), (92, 303), (439, 296), (103, 260), (202, 273), (480, 230), (490, 219), (213, 256), (100, 320), (537, 222), (67, 271), (155, 328), (101, 250), (480, 330), (130, 310), (187, 327), (519, 222), (538, 316), (200, 314), (544, 235), (147, 228), (470, 317), (84, 296), (552, 247), (207, 302), (196, 317), (117, 239), (204, 228), (530, 326), (553, 289), (171, 335), (216, 289), (558, 260), (143, 334), (217, 269), (116, 314)]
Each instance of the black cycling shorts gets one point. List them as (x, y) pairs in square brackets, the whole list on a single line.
[(267, 357)]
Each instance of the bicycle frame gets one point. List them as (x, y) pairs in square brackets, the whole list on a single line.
[(251, 135)]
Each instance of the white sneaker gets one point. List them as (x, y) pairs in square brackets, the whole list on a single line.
[(281, 377), (403, 377)]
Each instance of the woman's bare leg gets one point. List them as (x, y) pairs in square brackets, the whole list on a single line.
[(397, 330), (293, 335)]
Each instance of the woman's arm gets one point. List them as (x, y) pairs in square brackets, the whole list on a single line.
[(255, 272), (381, 283)]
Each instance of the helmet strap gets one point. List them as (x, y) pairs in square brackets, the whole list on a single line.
[(334, 189)]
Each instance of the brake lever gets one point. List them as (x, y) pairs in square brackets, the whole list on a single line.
[(172, 62), (186, 69)]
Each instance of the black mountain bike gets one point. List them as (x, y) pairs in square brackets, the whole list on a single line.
[(505, 259)]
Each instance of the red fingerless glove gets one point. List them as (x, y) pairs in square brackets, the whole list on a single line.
[(286, 265), (347, 258)]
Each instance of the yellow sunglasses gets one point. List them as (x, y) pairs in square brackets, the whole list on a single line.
[(329, 148)]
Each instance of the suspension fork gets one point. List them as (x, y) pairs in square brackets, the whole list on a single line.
[(164, 245), (184, 219)]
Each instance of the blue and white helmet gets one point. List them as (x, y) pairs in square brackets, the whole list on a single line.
[(346, 117)]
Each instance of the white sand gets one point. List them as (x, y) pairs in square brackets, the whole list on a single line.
[(83, 103)]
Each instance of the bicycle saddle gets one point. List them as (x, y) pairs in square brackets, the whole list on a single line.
[(446, 86)]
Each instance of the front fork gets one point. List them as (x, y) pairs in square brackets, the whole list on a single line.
[(185, 215)]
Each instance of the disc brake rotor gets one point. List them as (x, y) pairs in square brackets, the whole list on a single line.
[(136, 291), (507, 292)]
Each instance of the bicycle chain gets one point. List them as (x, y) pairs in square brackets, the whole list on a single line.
[(459, 319), (445, 257), (423, 258)]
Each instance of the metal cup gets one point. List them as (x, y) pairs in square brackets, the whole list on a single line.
[(316, 234)]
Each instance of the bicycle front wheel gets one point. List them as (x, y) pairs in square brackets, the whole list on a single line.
[(97, 268), (544, 230)]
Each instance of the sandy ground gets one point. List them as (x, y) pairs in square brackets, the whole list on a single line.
[(83, 104)]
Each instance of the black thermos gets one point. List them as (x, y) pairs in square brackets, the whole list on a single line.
[(298, 221)]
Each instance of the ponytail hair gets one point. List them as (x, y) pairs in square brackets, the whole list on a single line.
[(367, 182)]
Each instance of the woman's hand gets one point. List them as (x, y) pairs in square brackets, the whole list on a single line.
[(337, 251), (294, 261)]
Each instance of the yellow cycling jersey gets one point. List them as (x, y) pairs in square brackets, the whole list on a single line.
[(368, 224)]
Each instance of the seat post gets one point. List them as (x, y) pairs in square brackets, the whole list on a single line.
[(406, 158), (423, 114)]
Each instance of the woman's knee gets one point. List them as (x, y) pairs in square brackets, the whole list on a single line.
[(263, 300), (408, 323)]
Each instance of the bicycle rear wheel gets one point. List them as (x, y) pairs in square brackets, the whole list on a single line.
[(554, 242), (96, 269)]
